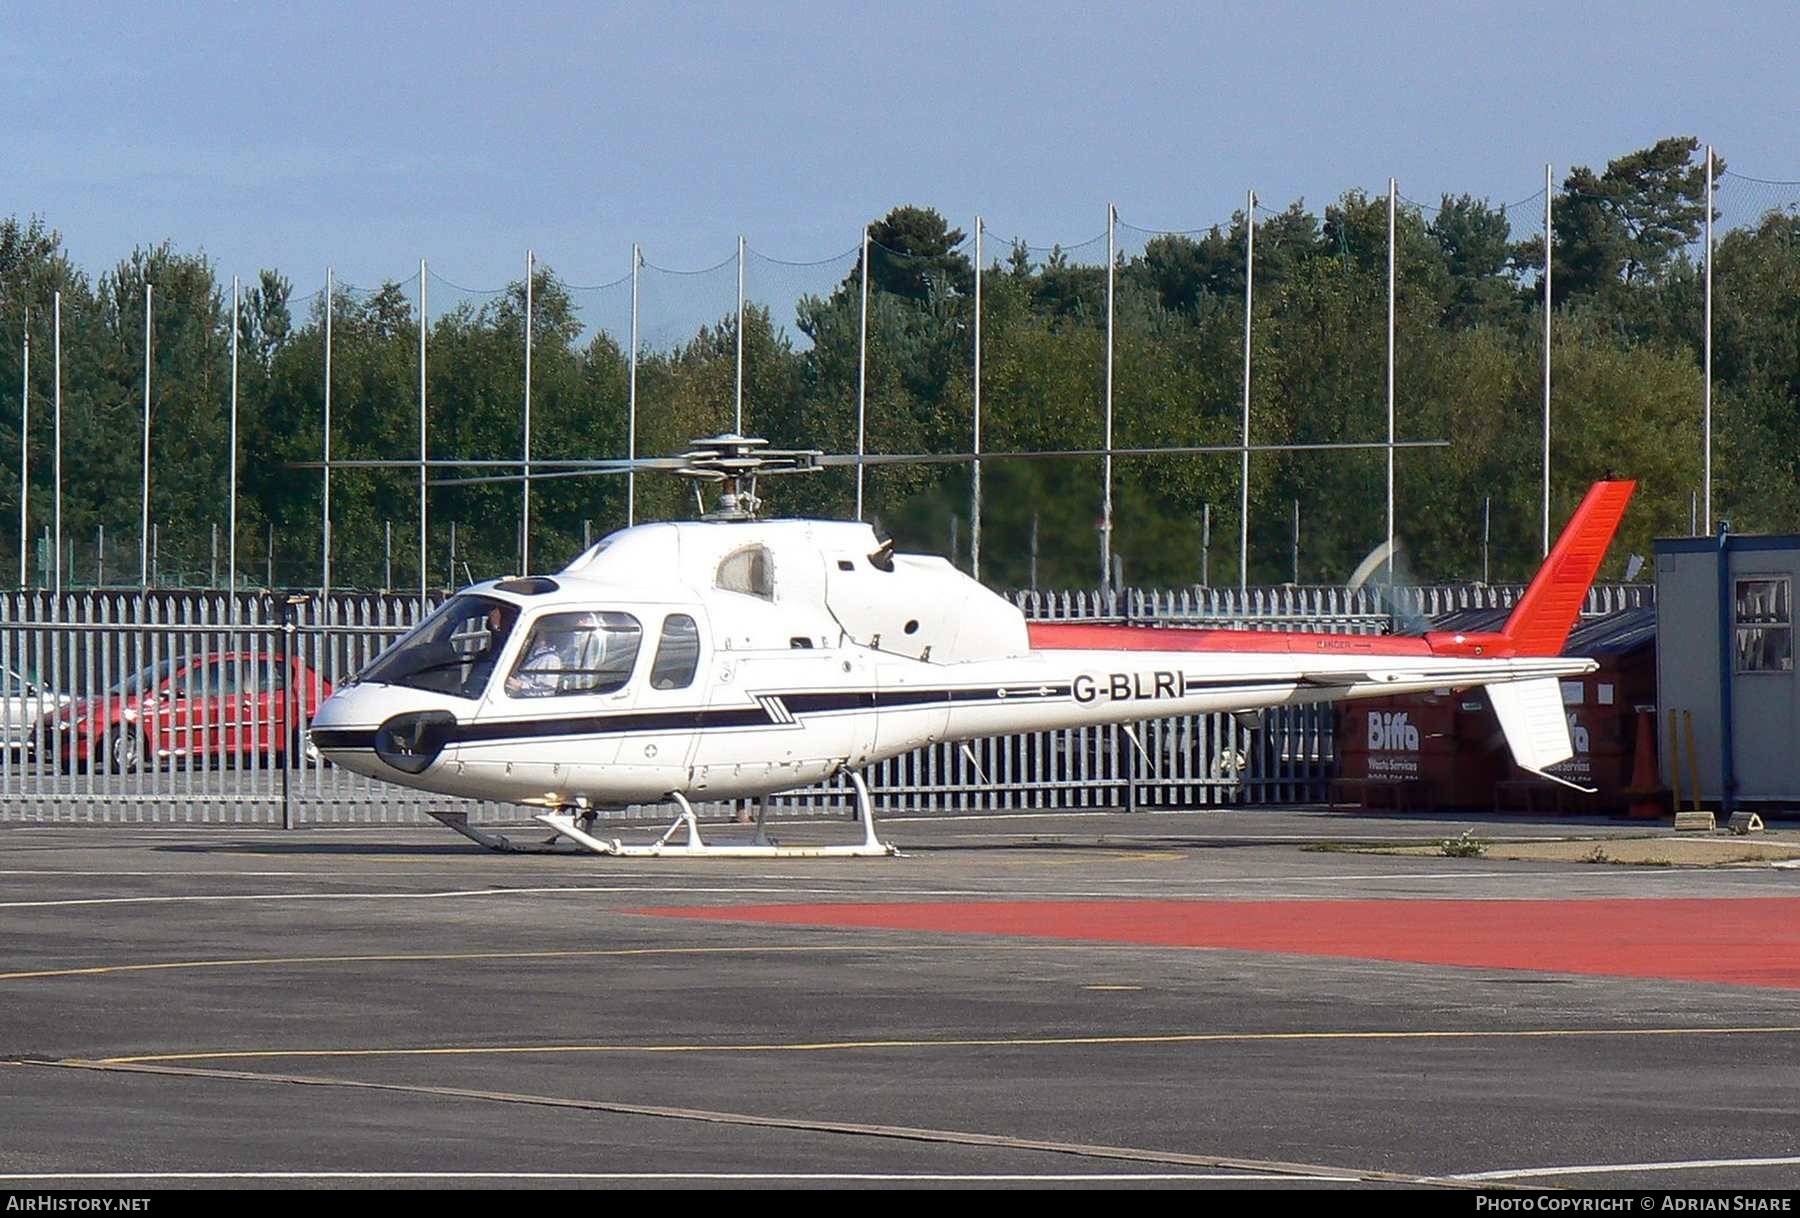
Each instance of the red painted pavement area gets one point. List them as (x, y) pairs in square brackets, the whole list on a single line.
[(1740, 941)]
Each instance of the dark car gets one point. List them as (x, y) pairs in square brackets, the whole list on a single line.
[(209, 708)]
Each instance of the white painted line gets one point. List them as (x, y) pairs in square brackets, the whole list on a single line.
[(848, 891), (846, 1177), (1096, 814), (445, 894), (217, 873), (1175, 837), (1594, 1169)]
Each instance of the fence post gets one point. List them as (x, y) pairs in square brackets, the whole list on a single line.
[(294, 700), (1034, 551)]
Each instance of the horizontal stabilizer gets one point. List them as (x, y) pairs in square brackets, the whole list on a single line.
[(1531, 715)]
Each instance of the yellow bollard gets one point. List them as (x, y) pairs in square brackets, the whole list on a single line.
[(1674, 764), (1693, 766)]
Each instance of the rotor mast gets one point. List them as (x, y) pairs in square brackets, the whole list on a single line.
[(735, 462)]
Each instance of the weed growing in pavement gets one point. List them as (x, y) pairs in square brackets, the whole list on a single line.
[(1468, 846)]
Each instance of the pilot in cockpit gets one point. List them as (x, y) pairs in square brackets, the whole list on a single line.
[(499, 624), (539, 674)]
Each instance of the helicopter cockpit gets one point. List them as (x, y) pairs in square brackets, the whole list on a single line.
[(457, 650), (452, 652)]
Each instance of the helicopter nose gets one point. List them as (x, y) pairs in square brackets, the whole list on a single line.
[(369, 730), (342, 733)]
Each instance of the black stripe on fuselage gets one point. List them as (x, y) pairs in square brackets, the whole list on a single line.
[(811, 702), (821, 702), (339, 738)]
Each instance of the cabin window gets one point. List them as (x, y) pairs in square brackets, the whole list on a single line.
[(750, 571), (576, 653), (1765, 624), (677, 653)]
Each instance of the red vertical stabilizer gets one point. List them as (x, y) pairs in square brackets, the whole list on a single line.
[(1541, 621)]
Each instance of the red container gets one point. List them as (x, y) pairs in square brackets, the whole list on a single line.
[(1445, 749), (1414, 742)]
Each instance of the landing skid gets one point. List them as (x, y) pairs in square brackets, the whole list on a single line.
[(691, 846), (459, 821)]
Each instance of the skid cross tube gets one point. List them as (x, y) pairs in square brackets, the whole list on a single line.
[(567, 823)]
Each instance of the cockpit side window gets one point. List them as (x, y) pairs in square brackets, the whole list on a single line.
[(452, 651), (677, 653), (570, 654), (750, 571)]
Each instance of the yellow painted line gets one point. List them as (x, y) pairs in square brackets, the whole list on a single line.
[(905, 1133), (1089, 854), (1112, 988), (984, 1042), (1081, 854), (99, 970), (711, 1177)]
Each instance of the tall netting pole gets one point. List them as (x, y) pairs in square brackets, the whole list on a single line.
[(975, 479), (1393, 196), (637, 262), (1106, 509), (25, 454), (56, 564), (144, 520), (1249, 314), (56, 438), (738, 394), (1549, 241), (862, 377), (422, 330), (525, 488), (325, 507), (231, 525), (1706, 491)]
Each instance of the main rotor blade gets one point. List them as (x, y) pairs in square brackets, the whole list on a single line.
[(571, 469), (1168, 450), (602, 464), (492, 479)]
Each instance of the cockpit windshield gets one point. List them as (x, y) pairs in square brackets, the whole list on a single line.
[(452, 651)]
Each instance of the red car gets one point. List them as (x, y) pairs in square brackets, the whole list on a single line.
[(215, 707)]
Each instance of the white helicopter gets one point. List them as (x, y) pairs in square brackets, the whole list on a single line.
[(733, 657)]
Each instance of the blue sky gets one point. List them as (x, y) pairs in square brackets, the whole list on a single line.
[(368, 135)]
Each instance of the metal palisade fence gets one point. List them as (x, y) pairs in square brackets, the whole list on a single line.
[(172, 707)]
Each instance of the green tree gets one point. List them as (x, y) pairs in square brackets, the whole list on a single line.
[(1624, 227), (916, 254)]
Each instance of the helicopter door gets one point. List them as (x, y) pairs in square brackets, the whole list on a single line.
[(560, 705), (803, 714), (668, 708)]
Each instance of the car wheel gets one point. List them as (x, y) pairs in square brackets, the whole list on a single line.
[(125, 749)]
